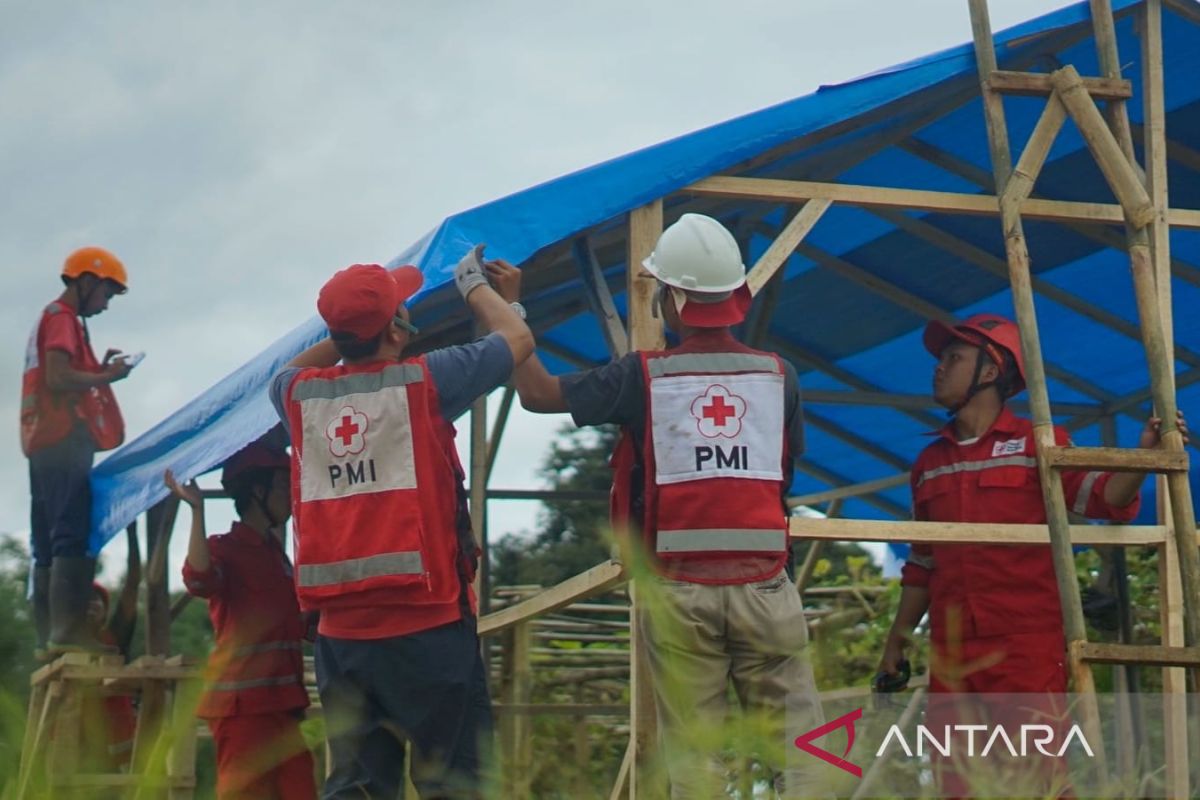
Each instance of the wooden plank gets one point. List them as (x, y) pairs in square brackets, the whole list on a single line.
[(1153, 655), (1117, 459), (645, 226), (861, 530), (600, 299), (1038, 84), (782, 191), (497, 435), (160, 522), (580, 587), (1121, 176), (621, 784), (784, 245)]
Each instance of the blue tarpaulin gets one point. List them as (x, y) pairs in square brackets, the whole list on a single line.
[(915, 125)]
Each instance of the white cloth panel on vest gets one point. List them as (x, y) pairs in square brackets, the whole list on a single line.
[(726, 426), (357, 433)]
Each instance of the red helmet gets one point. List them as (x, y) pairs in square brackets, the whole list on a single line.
[(252, 457), (998, 337)]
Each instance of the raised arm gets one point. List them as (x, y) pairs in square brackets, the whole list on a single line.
[(198, 556), (493, 307)]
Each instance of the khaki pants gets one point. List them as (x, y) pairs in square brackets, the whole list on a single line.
[(699, 637)]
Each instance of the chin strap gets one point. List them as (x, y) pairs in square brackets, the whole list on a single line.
[(976, 387)]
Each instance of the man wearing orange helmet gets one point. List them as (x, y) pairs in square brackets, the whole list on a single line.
[(995, 623), (254, 695), (68, 413)]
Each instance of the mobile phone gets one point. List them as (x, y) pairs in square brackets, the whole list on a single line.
[(133, 359)]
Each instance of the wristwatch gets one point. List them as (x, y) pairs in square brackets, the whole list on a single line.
[(520, 309)]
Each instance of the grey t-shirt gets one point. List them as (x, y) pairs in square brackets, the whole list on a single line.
[(461, 374)]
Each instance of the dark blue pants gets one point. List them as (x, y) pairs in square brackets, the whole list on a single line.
[(61, 492), (428, 688)]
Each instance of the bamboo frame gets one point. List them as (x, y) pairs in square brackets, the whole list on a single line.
[(776, 191), (785, 243), (1035, 377)]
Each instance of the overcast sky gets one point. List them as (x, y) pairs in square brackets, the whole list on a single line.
[(235, 154)]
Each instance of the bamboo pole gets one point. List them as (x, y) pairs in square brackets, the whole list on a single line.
[(478, 489), (1025, 175), (1035, 378), (645, 333), (1175, 722), (785, 243), (1152, 286), (1122, 177)]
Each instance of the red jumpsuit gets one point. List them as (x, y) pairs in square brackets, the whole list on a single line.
[(995, 616), (255, 695)]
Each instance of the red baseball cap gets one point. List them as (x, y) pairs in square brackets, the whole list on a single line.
[(254, 456), (361, 299), (729, 310)]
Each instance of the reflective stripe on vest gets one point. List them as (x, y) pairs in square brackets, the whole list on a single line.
[(253, 683), (357, 383), (721, 540), (977, 466), (710, 363), (265, 647), (357, 569)]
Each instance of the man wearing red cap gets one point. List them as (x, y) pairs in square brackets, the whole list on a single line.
[(384, 549), (710, 430), (254, 697), (995, 619)]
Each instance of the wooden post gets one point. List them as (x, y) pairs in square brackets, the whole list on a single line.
[(785, 244), (160, 522), (1152, 284), (645, 333), (516, 728), (478, 488), (1175, 721), (1035, 379), (600, 299)]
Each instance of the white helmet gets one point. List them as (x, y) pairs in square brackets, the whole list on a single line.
[(697, 254)]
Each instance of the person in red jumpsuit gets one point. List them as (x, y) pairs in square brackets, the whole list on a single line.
[(995, 617), (255, 697)]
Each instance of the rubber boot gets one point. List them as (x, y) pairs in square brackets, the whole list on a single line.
[(41, 609), (70, 595)]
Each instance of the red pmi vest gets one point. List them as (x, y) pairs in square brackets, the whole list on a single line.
[(713, 455), (364, 439), (47, 416)]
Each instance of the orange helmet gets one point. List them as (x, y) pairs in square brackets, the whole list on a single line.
[(98, 262), (996, 335)]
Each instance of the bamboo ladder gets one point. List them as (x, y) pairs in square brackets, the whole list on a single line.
[(1144, 202)]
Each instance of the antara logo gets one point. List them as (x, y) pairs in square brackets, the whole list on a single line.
[(992, 737), (347, 432), (718, 412)]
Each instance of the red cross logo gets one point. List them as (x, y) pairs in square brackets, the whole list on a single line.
[(719, 412), (347, 432)]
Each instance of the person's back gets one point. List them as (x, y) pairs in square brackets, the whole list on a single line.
[(710, 430), (384, 549)]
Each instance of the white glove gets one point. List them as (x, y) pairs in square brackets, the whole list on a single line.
[(469, 274)]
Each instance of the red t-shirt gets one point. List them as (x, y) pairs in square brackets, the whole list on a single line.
[(258, 664), (995, 588)]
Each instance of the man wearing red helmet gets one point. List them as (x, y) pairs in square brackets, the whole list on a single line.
[(998, 603), (254, 695), (68, 413), (384, 548)]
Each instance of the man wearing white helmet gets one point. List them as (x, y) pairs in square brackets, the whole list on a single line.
[(709, 431)]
